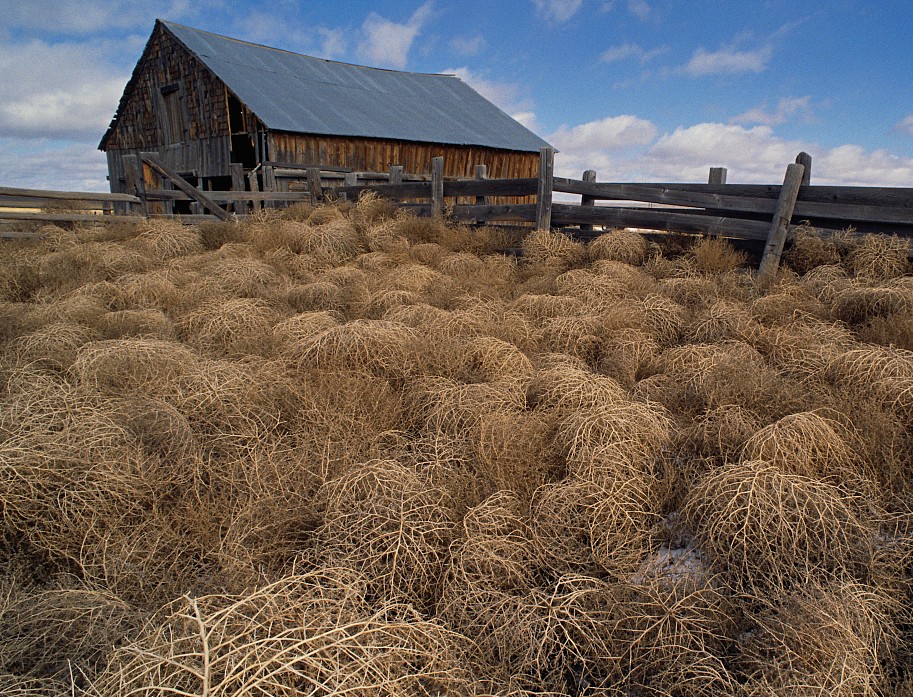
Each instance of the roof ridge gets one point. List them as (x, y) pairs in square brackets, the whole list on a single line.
[(170, 24)]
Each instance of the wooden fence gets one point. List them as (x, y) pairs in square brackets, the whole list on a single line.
[(762, 212)]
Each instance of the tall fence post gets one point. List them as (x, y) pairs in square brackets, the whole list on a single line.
[(776, 239), (437, 187), (804, 159), (546, 185), (717, 175), (588, 176)]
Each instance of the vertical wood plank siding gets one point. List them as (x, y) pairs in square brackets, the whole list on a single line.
[(370, 155)]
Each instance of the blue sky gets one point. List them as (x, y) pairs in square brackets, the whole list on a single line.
[(640, 90)]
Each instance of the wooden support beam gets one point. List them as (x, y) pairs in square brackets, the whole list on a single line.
[(544, 193), (186, 187), (804, 159), (314, 185), (588, 176), (776, 238), (437, 187), (717, 175)]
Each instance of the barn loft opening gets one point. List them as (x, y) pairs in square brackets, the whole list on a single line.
[(173, 114)]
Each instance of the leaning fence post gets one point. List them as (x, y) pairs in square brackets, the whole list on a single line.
[(588, 176), (437, 187), (546, 184), (804, 159), (776, 239)]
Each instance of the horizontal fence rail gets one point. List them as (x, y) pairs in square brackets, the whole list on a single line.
[(759, 212)]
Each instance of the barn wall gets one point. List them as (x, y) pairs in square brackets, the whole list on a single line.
[(205, 147), (370, 155)]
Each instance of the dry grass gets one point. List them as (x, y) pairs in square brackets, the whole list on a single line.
[(342, 450)]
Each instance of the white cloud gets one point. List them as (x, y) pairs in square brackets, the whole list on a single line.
[(625, 149), (728, 60), (787, 108), (67, 90), (628, 50), (610, 133), (332, 42), (557, 10), (528, 119), (39, 164), (906, 124), (639, 8), (385, 43), (468, 45), (505, 95)]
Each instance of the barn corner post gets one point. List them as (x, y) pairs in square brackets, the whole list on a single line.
[(546, 185), (776, 238)]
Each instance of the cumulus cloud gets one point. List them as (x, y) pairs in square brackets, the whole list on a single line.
[(787, 108), (386, 43), (65, 90), (727, 61), (906, 124), (627, 148), (557, 10), (43, 164)]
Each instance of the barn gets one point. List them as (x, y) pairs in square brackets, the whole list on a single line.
[(211, 106)]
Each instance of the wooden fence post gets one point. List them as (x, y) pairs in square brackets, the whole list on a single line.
[(349, 179), (396, 174), (588, 176), (717, 175), (546, 184), (269, 184), (481, 175), (314, 186), (437, 187), (804, 159), (776, 238)]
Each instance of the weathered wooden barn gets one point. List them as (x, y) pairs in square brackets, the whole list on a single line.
[(204, 102)]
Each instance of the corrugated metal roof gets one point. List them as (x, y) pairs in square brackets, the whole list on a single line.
[(292, 92)]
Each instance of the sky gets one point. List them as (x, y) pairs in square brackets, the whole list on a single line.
[(639, 90)]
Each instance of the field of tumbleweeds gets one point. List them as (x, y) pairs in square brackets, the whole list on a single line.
[(345, 451)]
